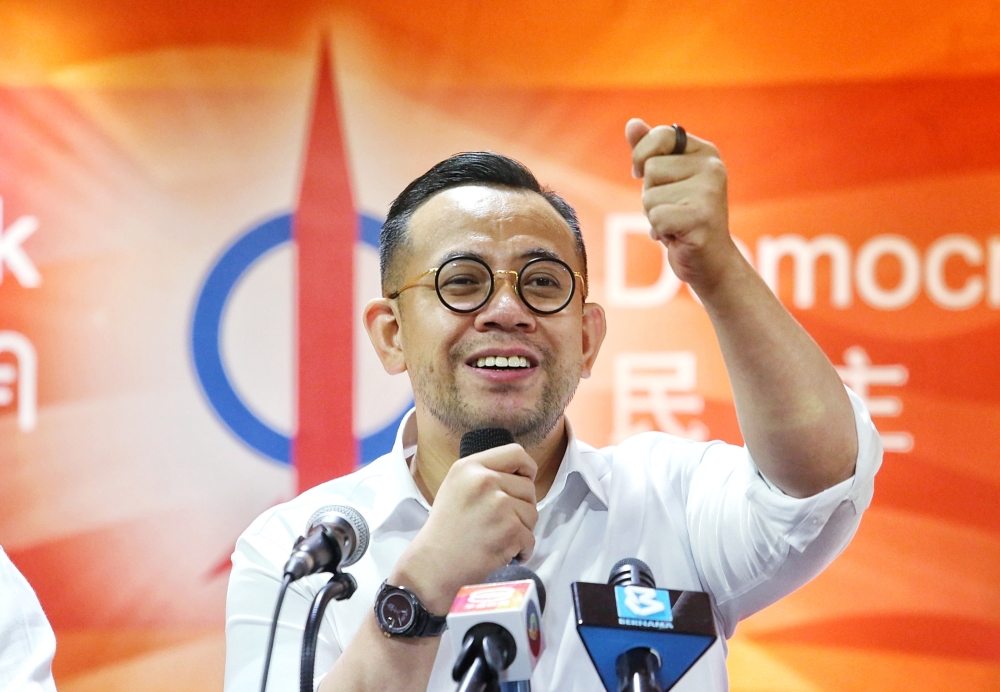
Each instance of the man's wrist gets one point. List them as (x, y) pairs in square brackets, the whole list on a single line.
[(727, 278), (436, 596), (400, 613)]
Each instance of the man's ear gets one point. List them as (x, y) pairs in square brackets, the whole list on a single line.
[(595, 326), (382, 324)]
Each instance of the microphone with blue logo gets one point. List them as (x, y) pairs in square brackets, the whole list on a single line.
[(640, 638)]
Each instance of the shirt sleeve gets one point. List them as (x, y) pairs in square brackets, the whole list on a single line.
[(258, 563), (753, 544), (27, 643)]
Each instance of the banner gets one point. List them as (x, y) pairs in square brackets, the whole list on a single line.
[(190, 199)]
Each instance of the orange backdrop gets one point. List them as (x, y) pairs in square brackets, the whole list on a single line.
[(139, 142)]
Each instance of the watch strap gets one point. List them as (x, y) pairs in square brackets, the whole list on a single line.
[(425, 623), (429, 624)]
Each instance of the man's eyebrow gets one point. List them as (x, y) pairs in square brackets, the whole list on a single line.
[(537, 252), (533, 253), (455, 254)]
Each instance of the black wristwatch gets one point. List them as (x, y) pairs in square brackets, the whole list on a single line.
[(401, 614)]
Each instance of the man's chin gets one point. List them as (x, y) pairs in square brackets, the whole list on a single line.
[(530, 412), (528, 427)]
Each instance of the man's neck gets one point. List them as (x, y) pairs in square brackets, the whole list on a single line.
[(437, 450)]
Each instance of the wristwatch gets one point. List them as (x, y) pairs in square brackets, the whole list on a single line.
[(401, 614)]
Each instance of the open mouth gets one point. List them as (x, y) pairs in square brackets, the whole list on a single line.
[(502, 362)]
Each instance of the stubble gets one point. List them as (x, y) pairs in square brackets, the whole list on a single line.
[(444, 399)]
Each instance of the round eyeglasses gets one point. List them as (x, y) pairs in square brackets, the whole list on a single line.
[(465, 284)]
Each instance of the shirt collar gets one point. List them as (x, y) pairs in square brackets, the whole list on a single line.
[(395, 486), (577, 462), (393, 482)]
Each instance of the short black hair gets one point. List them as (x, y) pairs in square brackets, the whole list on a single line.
[(467, 168)]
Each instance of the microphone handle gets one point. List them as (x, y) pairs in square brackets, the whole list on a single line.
[(516, 686), (637, 669), (477, 678), (641, 682)]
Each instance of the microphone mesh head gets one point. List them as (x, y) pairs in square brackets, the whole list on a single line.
[(476, 441), (352, 517), (631, 571), (516, 572)]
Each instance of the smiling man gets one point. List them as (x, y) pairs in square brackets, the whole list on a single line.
[(485, 308)]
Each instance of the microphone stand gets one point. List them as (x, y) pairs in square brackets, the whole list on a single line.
[(637, 669), (516, 686), (484, 654), (340, 587), (478, 678)]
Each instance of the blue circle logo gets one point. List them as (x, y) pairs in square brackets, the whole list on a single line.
[(207, 358)]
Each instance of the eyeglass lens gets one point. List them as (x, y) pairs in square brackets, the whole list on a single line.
[(465, 284)]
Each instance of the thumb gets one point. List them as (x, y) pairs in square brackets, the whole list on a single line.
[(635, 130)]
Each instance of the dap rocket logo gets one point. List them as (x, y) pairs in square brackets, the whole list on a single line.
[(341, 408)]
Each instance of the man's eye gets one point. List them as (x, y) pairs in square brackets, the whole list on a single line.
[(542, 281), (462, 280), (462, 285)]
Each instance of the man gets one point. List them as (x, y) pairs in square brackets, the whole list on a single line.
[(484, 277), (27, 643)]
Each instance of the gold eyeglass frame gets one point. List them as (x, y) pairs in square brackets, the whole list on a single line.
[(493, 273)]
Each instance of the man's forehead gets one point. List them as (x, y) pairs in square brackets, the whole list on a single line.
[(480, 215)]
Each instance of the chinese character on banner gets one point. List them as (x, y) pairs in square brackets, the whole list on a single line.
[(651, 389), (859, 374)]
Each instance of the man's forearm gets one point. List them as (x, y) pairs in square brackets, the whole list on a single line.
[(374, 663), (793, 411), (482, 494), (795, 416)]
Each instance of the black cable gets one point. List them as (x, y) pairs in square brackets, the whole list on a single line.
[(341, 586), (274, 627)]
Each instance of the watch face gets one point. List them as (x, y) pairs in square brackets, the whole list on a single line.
[(396, 612)]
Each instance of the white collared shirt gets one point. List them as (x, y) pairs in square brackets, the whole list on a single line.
[(698, 513), (27, 643)]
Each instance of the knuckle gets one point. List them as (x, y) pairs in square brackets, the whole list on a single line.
[(715, 166), (661, 132), (532, 518), (512, 533), (482, 483), (529, 459), (461, 466), (502, 503), (663, 168), (701, 216), (529, 543), (660, 218), (649, 200)]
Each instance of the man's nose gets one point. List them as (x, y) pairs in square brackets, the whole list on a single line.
[(505, 309)]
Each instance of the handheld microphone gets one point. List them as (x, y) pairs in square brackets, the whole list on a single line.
[(476, 441), (499, 623), (640, 638), (336, 536), (480, 440)]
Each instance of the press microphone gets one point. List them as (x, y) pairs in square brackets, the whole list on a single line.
[(336, 536), (640, 638), (499, 625), (476, 441)]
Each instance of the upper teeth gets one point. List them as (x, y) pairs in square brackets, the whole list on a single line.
[(502, 362)]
